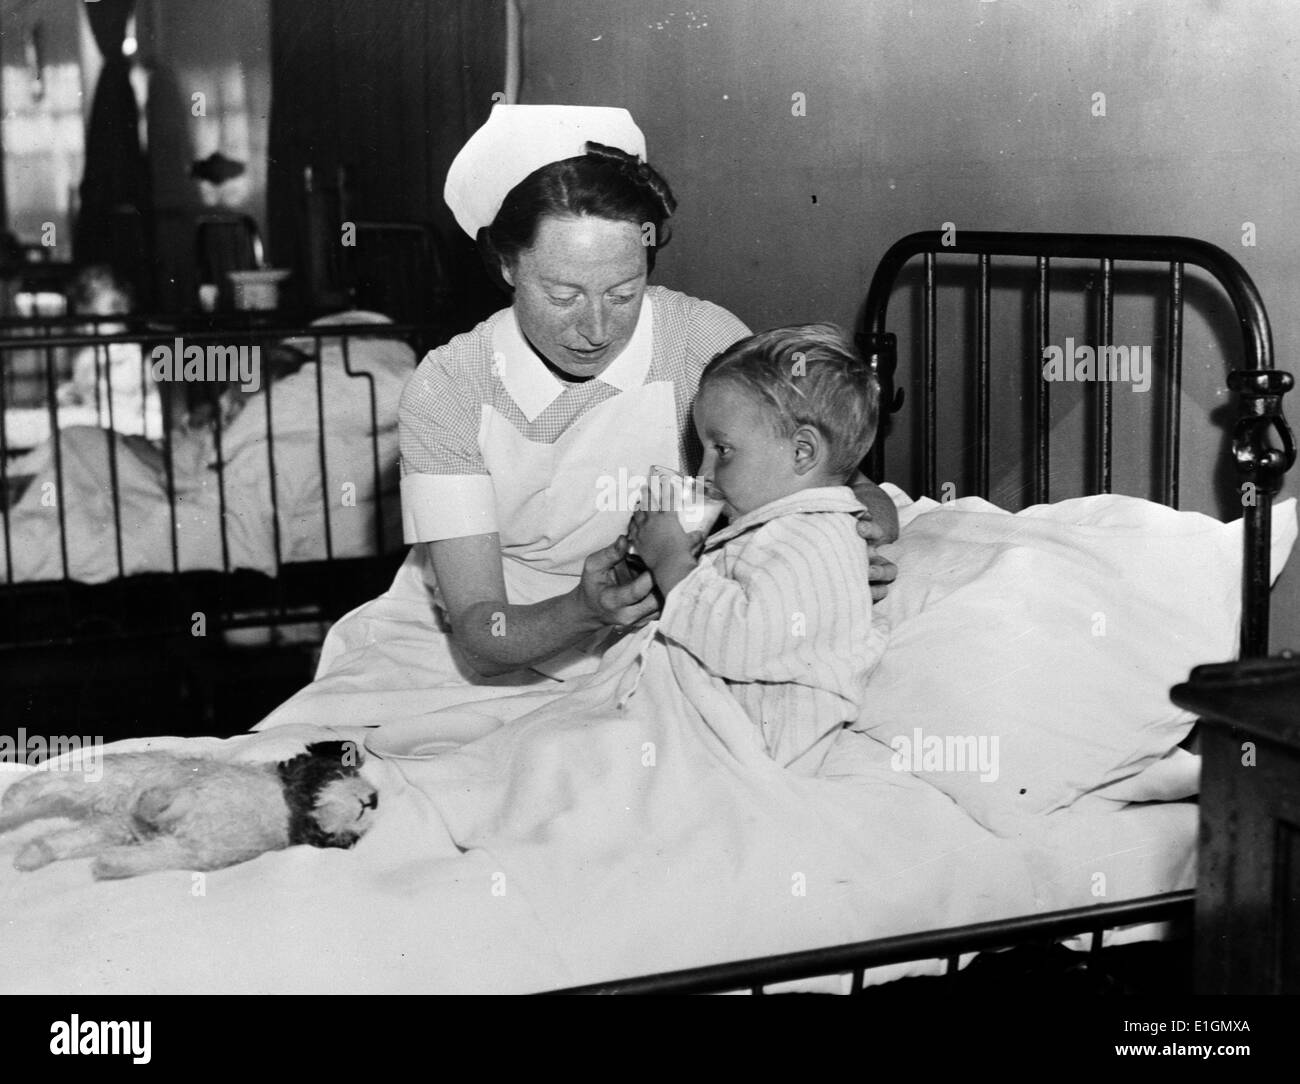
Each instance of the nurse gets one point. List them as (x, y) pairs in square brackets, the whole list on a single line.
[(522, 440)]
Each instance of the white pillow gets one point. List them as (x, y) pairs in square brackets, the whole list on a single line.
[(1048, 640)]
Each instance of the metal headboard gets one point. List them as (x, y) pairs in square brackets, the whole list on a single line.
[(1261, 462)]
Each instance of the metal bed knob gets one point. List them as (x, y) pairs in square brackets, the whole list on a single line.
[(881, 351), (1256, 458)]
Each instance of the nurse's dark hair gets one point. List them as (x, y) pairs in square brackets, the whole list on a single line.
[(606, 182), (809, 374)]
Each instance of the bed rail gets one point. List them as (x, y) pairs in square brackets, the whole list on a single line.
[(1263, 448), (952, 944)]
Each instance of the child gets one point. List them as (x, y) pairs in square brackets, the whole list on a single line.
[(111, 379), (778, 605)]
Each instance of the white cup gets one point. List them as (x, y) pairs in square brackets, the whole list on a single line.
[(690, 497)]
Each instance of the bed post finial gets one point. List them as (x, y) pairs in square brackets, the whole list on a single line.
[(1262, 464), (880, 348)]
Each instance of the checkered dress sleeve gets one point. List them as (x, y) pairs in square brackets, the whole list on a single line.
[(446, 489), (438, 420)]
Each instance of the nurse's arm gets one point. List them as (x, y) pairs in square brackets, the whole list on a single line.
[(497, 637)]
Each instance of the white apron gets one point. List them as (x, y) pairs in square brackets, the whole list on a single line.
[(393, 657)]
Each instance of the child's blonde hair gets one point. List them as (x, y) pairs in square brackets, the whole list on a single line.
[(808, 374)]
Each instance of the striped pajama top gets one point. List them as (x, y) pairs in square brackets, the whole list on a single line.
[(778, 611)]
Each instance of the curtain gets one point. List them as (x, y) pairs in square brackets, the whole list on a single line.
[(112, 224), (387, 93)]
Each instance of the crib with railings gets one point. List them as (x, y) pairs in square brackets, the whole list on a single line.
[(150, 526)]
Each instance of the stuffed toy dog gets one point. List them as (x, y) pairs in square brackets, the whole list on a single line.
[(156, 811)]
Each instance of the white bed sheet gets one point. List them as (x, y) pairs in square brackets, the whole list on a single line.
[(1108, 852), (409, 911)]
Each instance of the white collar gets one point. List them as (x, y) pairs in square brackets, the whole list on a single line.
[(817, 499), (533, 387)]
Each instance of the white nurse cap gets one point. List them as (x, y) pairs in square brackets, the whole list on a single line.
[(518, 139)]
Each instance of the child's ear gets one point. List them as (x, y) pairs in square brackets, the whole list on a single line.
[(809, 449)]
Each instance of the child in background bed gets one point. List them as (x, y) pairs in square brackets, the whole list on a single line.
[(111, 380), (777, 607)]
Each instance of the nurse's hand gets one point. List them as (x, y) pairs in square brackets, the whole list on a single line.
[(881, 570), (877, 526), (604, 595)]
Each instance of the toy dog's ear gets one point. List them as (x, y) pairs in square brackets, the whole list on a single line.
[(347, 754)]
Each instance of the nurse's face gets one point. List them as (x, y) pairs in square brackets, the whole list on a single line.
[(578, 291)]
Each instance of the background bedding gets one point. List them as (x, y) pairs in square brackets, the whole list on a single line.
[(93, 458)]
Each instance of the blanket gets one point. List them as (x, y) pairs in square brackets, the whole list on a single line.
[(623, 823), (598, 835)]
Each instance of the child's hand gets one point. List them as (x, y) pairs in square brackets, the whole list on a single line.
[(659, 538), (627, 569)]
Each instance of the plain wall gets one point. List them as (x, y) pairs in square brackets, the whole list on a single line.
[(979, 114)]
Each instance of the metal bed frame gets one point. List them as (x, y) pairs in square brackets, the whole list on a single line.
[(1262, 450), (158, 604)]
